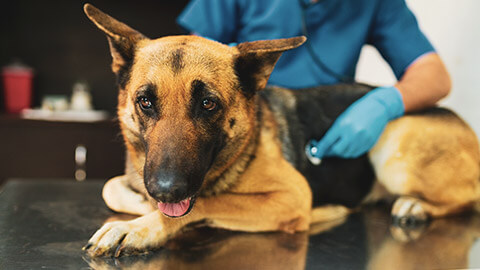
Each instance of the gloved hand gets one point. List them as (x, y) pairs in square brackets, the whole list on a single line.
[(358, 128)]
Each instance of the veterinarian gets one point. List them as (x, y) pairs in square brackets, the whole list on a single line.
[(336, 31)]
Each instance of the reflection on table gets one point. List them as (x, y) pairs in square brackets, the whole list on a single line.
[(45, 224)]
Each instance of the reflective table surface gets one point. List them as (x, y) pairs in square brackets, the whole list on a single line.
[(45, 223)]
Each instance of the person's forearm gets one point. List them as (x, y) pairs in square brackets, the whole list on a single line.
[(424, 83)]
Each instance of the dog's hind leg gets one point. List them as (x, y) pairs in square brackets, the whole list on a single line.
[(409, 216), (431, 162), (119, 197), (408, 210)]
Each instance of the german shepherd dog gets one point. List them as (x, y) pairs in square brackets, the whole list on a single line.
[(207, 143)]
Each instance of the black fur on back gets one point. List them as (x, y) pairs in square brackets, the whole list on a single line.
[(307, 114)]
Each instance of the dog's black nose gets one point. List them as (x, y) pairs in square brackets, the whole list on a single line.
[(167, 187)]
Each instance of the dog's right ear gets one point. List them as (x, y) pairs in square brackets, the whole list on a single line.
[(121, 38), (256, 60)]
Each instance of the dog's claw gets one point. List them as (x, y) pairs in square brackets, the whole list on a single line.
[(94, 251), (118, 251), (87, 246)]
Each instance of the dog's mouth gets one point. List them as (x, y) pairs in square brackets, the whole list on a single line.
[(179, 209)]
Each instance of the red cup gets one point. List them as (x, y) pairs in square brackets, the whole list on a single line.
[(17, 83)]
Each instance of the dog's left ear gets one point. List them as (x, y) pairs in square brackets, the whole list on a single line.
[(256, 60), (121, 38)]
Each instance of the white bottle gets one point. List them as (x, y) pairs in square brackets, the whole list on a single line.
[(81, 98)]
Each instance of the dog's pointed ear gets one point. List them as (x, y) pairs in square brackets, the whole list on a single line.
[(256, 60), (121, 38)]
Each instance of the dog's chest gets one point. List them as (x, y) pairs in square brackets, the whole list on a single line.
[(303, 115)]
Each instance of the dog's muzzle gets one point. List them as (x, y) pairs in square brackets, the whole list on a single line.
[(174, 192)]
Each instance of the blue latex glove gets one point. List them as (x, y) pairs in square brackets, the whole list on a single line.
[(358, 128)]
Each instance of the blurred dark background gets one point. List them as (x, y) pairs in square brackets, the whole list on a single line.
[(58, 41), (63, 46)]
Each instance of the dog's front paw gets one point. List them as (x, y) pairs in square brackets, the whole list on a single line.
[(125, 238)]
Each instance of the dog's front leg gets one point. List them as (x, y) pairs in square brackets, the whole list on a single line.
[(254, 212), (248, 212), (119, 197)]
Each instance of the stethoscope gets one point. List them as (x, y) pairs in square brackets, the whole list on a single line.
[(311, 148), (316, 59)]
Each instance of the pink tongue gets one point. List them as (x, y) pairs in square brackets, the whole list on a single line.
[(174, 209)]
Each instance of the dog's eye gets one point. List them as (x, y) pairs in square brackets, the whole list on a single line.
[(209, 104), (145, 103)]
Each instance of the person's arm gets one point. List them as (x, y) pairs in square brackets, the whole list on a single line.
[(357, 129), (424, 83)]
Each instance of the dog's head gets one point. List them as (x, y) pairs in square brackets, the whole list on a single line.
[(186, 105)]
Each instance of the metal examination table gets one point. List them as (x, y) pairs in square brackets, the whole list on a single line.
[(44, 224)]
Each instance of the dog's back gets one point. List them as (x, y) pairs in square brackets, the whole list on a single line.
[(307, 114)]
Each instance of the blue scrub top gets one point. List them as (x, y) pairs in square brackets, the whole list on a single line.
[(337, 29)]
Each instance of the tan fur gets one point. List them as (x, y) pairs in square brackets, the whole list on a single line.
[(433, 158), (121, 198), (430, 162), (269, 184)]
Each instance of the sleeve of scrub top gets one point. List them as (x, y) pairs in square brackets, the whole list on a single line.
[(214, 19), (396, 35)]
